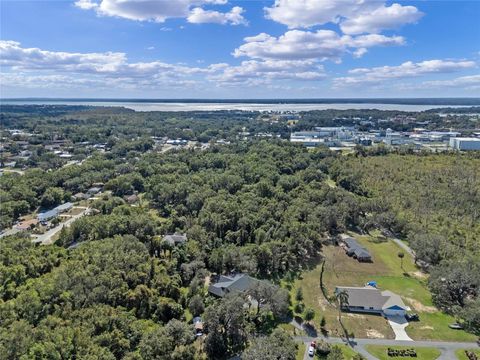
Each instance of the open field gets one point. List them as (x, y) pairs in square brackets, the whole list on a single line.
[(423, 353), (387, 271), (462, 356)]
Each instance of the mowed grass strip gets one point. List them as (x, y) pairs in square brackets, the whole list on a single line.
[(461, 355), (301, 348), (423, 353)]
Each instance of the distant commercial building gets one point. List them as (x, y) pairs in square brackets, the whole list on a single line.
[(307, 138), (465, 144)]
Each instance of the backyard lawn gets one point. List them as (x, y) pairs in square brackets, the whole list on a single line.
[(423, 353), (386, 270)]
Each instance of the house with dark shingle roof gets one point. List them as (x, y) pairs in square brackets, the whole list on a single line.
[(236, 284), (372, 300), (354, 249)]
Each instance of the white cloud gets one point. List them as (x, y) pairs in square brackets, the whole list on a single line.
[(408, 69), (306, 13), (234, 16), (382, 18), (251, 71), (12, 54), (469, 82), (86, 4), (321, 45), (353, 16), (38, 68), (109, 63), (159, 10)]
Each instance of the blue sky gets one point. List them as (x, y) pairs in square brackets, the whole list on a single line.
[(239, 49)]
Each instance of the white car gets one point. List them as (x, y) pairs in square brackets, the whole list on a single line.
[(311, 351)]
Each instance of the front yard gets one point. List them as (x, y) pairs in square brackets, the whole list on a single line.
[(386, 270)]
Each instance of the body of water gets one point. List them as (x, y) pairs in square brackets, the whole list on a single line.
[(224, 105)]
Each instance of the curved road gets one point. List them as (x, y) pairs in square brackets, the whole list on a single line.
[(447, 348)]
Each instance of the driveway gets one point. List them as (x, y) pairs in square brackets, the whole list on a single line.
[(398, 324), (47, 238)]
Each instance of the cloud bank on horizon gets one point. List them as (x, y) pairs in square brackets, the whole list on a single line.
[(291, 48)]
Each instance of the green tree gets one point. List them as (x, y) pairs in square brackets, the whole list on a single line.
[(335, 354), (309, 314)]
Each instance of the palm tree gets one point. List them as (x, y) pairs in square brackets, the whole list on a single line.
[(342, 299), (401, 255)]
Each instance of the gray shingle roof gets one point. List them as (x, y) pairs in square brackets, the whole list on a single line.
[(232, 284), (371, 297), (355, 248)]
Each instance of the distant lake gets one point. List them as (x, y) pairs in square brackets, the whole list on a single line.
[(225, 105)]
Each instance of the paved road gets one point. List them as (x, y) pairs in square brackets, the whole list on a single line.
[(404, 246), (446, 347), (8, 232), (47, 238)]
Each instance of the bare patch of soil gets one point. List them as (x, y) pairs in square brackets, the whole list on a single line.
[(374, 334), (418, 306)]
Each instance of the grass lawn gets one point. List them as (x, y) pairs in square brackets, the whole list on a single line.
[(347, 351), (75, 211), (423, 353), (292, 330), (302, 347), (462, 356), (386, 269)]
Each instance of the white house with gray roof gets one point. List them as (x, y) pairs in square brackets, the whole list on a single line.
[(369, 299)]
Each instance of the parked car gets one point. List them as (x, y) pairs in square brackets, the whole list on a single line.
[(412, 317), (198, 325), (456, 326), (311, 348)]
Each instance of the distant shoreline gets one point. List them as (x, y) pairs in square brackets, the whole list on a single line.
[(171, 105), (400, 101)]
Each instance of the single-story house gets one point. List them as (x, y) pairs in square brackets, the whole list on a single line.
[(64, 207), (353, 248), (93, 190), (369, 299), (175, 239), (238, 283), (80, 196), (47, 215)]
